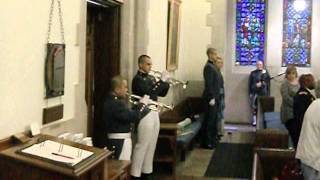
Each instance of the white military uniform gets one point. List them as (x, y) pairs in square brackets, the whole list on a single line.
[(127, 144), (148, 127), (148, 131)]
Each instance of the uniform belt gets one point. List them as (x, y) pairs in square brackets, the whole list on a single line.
[(119, 135), (152, 107)]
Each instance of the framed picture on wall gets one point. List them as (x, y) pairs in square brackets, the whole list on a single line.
[(173, 34)]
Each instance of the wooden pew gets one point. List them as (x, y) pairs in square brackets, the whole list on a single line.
[(265, 104), (269, 162), (271, 138), (266, 116), (169, 145), (118, 170), (271, 154)]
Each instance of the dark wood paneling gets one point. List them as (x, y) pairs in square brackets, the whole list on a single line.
[(5, 143), (51, 114)]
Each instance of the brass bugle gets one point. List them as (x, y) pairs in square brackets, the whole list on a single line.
[(174, 81), (171, 81), (156, 74), (134, 98)]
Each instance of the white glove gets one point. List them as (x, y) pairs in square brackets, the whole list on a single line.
[(212, 102), (165, 76), (259, 84), (145, 100)]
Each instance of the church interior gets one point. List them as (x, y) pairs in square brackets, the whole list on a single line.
[(54, 89)]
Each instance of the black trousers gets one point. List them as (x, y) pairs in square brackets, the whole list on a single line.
[(294, 128), (209, 126), (116, 146)]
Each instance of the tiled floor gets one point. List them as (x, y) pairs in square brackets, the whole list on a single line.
[(195, 165)]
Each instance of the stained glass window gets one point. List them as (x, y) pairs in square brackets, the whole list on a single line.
[(250, 25), (296, 32)]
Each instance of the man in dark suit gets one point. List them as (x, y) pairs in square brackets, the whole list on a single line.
[(148, 129), (211, 95), (301, 102), (259, 85)]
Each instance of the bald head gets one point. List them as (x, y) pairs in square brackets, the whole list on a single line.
[(116, 82), (143, 58), (212, 53), (119, 86), (145, 63), (259, 65)]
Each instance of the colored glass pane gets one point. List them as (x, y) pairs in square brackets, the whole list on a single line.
[(250, 25), (296, 33)]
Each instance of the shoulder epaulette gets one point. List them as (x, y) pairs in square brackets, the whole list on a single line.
[(303, 93)]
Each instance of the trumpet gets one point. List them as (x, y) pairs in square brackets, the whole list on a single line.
[(174, 81), (171, 81), (135, 98)]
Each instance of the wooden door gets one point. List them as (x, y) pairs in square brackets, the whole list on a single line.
[(102, 63)]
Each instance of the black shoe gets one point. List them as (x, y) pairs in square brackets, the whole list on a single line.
[(208, 146), (146, 176), (219, 137), (134, 178)]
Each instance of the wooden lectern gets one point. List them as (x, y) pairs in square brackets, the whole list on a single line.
[(14, 165)]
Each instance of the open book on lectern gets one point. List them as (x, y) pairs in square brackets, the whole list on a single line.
[(57, 152)]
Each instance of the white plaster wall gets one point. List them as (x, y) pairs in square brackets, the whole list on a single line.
[(127, 54), (193, 23), (315, 53), (23, 35), (151, 34), (157, 21), (141, 30), (195, 37)]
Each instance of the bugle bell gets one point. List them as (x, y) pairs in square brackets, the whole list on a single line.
[(171, 81)]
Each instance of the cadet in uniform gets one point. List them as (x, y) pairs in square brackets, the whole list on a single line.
[(118, 119), (148, 128), (259, 85)]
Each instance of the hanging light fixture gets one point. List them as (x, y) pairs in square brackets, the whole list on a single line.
[(299, 5)]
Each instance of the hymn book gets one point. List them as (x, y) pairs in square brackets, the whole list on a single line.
[(57, 152)]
